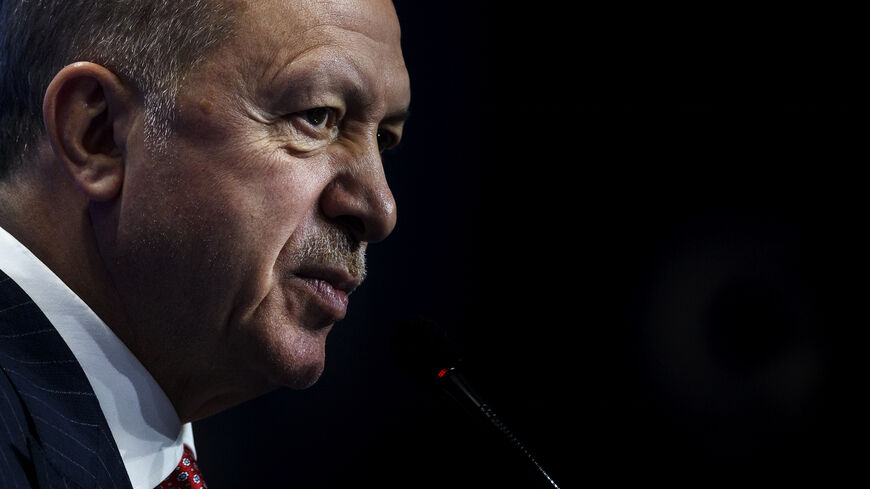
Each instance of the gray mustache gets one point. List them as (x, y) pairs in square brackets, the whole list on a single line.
[(334, 248)]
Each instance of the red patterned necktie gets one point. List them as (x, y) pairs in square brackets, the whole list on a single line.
[(186, 475)]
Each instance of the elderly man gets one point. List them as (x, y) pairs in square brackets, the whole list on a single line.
[(187, 192)]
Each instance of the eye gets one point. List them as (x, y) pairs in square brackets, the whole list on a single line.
[(386, 140), (319, 116), (310, 130)]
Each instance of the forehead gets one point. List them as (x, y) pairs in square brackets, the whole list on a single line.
[(273, 34), (374, 18)]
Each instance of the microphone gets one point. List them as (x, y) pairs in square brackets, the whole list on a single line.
[(425, 351)]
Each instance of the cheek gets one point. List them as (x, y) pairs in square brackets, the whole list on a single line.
[(247, 190), (256, 206), (278, 335), (239, 198)]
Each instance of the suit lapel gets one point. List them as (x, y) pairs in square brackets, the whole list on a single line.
[(66, 432)]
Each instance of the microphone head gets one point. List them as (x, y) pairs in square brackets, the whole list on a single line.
[(422, 349)]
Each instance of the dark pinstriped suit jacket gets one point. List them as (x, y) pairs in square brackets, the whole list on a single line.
[(52, 431)]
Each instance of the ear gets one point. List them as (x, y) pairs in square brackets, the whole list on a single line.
[(86, 109)]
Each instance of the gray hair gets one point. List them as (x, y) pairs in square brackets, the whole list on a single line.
[(151, 44)]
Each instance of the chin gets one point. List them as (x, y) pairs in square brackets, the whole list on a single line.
[(306, 378), (296, 359), (299, 376), (284, 341)]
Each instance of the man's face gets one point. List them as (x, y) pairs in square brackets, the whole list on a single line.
[(239, 248)]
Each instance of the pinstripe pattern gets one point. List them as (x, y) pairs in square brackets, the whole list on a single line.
[(52, 431)]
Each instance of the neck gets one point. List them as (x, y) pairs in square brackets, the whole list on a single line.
[(41, 208)]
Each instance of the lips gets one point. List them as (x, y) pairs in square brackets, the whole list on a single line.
[(329, 288)]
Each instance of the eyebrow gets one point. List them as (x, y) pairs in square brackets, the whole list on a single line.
[(398, 117), (350, 86)]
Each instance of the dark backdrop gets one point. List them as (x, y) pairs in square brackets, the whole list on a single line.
[(641, 221)]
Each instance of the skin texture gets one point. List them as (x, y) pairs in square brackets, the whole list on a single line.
[(224, 261)]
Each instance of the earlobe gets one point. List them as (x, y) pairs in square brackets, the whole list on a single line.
[(82, 109)]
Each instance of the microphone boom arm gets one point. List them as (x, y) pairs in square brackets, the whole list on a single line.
[(452, 381)]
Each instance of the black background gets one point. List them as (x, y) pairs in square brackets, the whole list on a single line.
[(640, 219)]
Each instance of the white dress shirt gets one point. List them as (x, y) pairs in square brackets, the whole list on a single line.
[(143, 421)]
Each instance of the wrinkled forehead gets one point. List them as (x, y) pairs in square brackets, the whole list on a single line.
[(274, 33), (376, 17), (359, 39), (294, 20)]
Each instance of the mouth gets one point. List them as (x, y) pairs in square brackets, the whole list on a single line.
[(330, 288)]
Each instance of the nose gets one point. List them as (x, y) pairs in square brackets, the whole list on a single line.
[(359, 199)]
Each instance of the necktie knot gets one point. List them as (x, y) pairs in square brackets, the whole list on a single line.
[(186, 474)]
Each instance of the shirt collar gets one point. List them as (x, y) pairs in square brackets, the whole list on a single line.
[(142, 420)]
